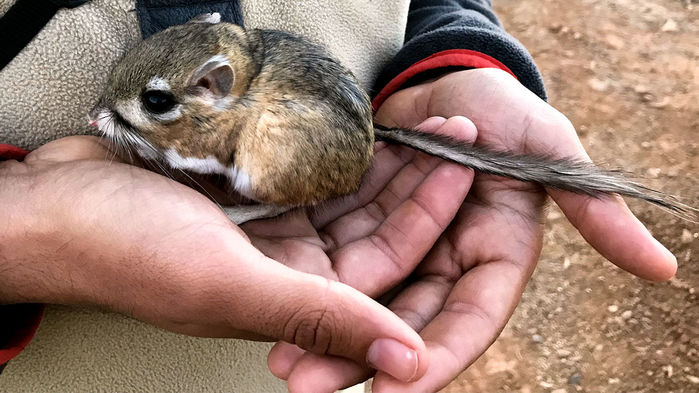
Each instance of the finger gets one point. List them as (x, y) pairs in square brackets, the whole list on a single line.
[(325, 374), (401, 188), (492, 226), (417, 305), (459, 315), (299, 253), (72, 148), (292, 224), (367, 218), (405, 230), (318, 315), (472, 317), (610, 227), (388, 161), (378, 261), (422, 300), (282, 359), (606, 223), (291, 240)]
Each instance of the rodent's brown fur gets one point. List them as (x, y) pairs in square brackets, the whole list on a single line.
[(297, 150)]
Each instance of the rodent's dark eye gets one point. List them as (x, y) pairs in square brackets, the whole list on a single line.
[(157, 101)]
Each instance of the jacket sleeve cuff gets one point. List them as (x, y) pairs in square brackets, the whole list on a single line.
[(19, 321), (9, 152), (464, 58)]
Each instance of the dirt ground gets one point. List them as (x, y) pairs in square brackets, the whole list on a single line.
[(626, 72)]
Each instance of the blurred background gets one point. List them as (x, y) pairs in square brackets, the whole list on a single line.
[(626, 73)]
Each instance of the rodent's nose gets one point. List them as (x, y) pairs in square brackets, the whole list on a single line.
[(93, 115), (91, 120)]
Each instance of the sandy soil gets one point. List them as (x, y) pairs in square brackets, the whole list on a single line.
[(626, 72)]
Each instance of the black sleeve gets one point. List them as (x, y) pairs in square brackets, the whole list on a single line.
[(439, 25)]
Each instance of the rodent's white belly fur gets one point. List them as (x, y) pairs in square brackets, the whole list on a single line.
[(239, 179)]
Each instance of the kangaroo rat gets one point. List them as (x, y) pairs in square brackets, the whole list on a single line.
[(284, 121)]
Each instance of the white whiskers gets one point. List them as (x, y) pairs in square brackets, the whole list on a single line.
[(123, 139)]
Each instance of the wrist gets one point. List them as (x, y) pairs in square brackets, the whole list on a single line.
[(449, 61), (23, 239)]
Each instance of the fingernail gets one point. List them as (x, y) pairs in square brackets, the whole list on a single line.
[(393, 358)]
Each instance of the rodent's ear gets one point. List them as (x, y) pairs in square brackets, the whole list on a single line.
[(212, 18), (214, 77)]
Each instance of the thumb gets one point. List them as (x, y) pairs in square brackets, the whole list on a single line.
[(72, 148), (325, 317)]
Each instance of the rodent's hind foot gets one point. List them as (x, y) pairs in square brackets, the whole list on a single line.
[(244, 213)]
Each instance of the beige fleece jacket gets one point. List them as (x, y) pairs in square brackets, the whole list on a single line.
[(45, 94)]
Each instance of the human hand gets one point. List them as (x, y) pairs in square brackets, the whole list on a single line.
[(467, 287), (84, 230), (489, 252), (372, 238)]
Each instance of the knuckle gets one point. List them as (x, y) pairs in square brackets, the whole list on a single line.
[(316, 327), (312, 330)]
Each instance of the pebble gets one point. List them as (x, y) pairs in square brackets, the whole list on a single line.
[(626, 314), (537, 339), (687, 236), (669, 26), (563, 353), (575, 379), (693, 379), (647, 97), (668, 370), (613, 308), (559, 391), (614, 41), (665, 101), (653, 172), (598, 84), (641, 89)]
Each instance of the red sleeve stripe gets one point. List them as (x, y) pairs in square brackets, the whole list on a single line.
[(447, 58), (28, 322), (9, 152)]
